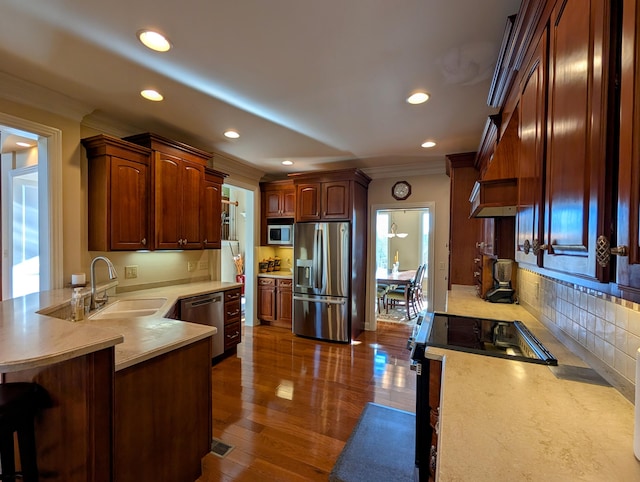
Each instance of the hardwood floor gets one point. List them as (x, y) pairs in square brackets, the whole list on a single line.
[(288, 404)]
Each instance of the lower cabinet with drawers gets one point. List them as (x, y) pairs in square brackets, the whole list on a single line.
[(232, 316)]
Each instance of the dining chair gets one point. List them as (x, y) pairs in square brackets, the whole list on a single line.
[(406, 295)]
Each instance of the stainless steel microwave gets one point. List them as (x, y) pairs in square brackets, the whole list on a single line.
[(280, 234)]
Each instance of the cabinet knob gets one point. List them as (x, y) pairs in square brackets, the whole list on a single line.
[(526, 246), (604, 251), (480, 245), (205, 241), (144, 241)]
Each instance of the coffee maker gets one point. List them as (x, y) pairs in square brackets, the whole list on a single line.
[(502, 292)]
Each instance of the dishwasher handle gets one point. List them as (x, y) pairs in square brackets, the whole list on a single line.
[(206, 300)]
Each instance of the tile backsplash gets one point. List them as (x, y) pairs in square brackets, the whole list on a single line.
[(607, 326)]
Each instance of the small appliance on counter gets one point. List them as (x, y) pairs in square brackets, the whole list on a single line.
[(502, 291)]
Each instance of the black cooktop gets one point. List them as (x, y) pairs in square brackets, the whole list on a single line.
[(503, 339)]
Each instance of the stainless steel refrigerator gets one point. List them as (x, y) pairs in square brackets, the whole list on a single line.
[(322, 280)]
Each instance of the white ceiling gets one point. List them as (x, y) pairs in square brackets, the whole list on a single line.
[(318, 82)]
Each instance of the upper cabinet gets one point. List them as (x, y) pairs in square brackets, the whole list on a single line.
[(178, 182), (118, 192), (532, 124), (148, 192), (628, 214), (323, 200), (278, 199), (577, 203), (211, 208), (564, 103)]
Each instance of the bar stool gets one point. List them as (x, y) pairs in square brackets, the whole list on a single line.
[(19, 404)]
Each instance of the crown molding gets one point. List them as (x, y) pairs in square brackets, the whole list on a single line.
[(236, 167), (33, 95)]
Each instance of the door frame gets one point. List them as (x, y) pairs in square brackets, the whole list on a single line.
[(50, 197), (370, 313)]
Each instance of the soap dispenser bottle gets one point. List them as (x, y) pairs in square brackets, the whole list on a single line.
[(77, 305)]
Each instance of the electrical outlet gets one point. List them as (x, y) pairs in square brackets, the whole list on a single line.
[(441, 265), (191, 266), (203, 265), (131, 272)]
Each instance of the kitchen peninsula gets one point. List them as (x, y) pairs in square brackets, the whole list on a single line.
[(131, 398)]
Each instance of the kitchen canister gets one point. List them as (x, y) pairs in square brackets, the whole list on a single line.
[(636, 428)]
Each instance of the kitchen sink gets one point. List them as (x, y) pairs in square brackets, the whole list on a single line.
[(130, 308)]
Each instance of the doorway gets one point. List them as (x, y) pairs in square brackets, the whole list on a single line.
[(236, 253), (402, 237), (30, 167)]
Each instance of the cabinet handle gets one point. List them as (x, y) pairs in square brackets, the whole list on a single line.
[(476, 260), (180, 242), (235, 335), (537, 247), (144, 241), (184, 241), (480, 245), (205, 241), (230, 314), (476, 274), (604, 251)]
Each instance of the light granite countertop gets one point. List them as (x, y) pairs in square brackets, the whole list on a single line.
[(29, 339), (504, 420), (288, 274)]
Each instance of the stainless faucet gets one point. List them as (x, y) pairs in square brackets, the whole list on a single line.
[(113, 274)]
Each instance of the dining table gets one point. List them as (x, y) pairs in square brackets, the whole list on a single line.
[(399, 279)]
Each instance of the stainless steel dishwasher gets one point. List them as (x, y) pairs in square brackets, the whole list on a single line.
[(206, 310)]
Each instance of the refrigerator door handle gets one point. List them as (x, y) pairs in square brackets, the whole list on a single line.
[(330, 301), (317, 258)]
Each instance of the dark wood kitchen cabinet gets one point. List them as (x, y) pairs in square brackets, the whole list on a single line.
[(577, 187), (211, 209), (118, 194), (266, 299), (628, 208), (464, 232), (532, 125), (278, 199), (318, 201), (275, 301), (232, 319), (177, 182), (278, 205)]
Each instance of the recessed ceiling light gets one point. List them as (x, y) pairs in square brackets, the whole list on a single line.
[(231, 134), (418, 98), (23, 144), (151, 94), (154, 40), (287, 163), (428, 144)]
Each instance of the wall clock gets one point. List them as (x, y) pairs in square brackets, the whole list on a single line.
[(401, 190)]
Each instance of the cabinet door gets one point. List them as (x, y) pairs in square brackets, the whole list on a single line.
[(284, 303), (128, 205), (336, 200), (308, 202), (628, 268), (576, 186), (211, 223), (531, 157), (168, 201), (289, 203), (266, 299), (273, 204), (192, 182)]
